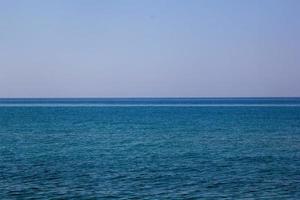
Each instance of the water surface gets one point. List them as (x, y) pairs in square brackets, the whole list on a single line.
[(150, 148)]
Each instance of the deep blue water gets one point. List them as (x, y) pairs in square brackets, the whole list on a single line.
[(150, 148)]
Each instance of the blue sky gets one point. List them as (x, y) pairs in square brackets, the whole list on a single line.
[(201, 48)]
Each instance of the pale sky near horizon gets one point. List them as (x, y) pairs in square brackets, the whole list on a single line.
[(132, 48)]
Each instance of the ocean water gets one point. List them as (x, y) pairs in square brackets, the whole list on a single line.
[(239, 148)]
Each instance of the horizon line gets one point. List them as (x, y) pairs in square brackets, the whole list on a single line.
[(158, 97)]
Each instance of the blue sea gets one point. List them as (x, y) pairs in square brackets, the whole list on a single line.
[(150, 148)]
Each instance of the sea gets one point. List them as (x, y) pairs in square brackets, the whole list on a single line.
[(150, 148)]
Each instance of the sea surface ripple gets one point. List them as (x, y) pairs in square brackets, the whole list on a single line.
[(150, 152)]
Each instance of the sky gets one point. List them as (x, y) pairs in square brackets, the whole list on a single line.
[(149, 48)]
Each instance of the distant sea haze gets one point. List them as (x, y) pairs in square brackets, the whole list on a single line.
[(185, 102)]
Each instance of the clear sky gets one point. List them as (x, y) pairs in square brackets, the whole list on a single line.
[(155, 48)]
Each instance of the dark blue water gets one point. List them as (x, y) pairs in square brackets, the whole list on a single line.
[(150, 148)]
